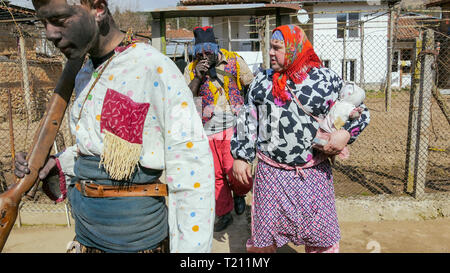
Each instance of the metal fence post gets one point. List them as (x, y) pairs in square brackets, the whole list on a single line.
[(420, 118)]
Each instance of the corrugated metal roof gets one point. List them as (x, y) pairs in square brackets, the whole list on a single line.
[(19, 13)]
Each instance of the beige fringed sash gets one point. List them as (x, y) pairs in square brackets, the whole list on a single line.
[(119, 157)]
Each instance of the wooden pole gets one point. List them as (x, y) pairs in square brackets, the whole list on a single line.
[(11, 131), (175, 53), (344, 60), (186, 54), (388, 91), (162, 24), (229, 33), (25, 74), (266, 49), (361, 63)]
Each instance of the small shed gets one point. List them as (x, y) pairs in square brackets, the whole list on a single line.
[(219, 9)]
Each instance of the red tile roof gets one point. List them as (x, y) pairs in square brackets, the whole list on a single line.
[(179, 34), (407, 28)]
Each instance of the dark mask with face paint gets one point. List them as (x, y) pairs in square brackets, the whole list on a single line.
[(72, 28)]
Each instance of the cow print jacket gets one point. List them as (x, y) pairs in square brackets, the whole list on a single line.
[(283, 131)]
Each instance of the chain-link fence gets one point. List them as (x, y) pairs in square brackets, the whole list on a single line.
[(404, 150), (29, 68)]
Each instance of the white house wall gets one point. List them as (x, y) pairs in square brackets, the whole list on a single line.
[(331, 48)]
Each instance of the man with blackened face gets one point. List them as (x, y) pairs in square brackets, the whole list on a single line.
[(134, 119), (73, 28), (220, 79)]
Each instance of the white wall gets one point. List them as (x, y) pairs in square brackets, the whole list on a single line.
[(329, 47)]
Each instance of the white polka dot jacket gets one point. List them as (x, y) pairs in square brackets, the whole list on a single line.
[(142, 100)]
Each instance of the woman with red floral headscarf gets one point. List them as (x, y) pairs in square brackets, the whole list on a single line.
[(293, 194)]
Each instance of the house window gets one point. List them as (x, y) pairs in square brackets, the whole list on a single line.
[(341, 23), (353, 20), (326, 63), (348, 22), (348, 70)]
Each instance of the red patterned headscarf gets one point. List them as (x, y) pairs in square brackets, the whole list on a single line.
[(299, 59)]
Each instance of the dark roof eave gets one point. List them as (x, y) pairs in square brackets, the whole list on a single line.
[(224, 10), (343, 1), (439, 3)]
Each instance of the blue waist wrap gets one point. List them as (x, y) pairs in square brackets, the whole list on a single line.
[(117, 224)]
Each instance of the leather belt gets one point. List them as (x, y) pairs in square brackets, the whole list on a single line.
[(89, 189)]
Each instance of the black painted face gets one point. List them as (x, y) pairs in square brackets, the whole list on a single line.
[(72, 28), (209, 56)]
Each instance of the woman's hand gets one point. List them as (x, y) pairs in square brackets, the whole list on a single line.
[(336, 143), (242, 171)]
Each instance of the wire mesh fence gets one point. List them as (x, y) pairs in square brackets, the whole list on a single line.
[(29, 68), (404, 150)]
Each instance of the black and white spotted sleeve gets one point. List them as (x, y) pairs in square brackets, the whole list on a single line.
[(243, 143)]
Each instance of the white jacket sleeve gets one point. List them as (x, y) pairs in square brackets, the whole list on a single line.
[(67, 160), (189, 166)]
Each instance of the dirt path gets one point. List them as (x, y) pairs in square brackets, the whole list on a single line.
[(429, 236)]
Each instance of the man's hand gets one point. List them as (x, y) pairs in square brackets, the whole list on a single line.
[(336, 143), (201, 68), (21, 166), (242, 171)]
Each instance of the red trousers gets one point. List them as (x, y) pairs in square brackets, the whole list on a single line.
[(223, 166)]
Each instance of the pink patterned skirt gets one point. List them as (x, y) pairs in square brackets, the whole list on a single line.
[(287, 207)]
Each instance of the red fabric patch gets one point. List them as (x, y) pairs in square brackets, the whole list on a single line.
[(123, 117)]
